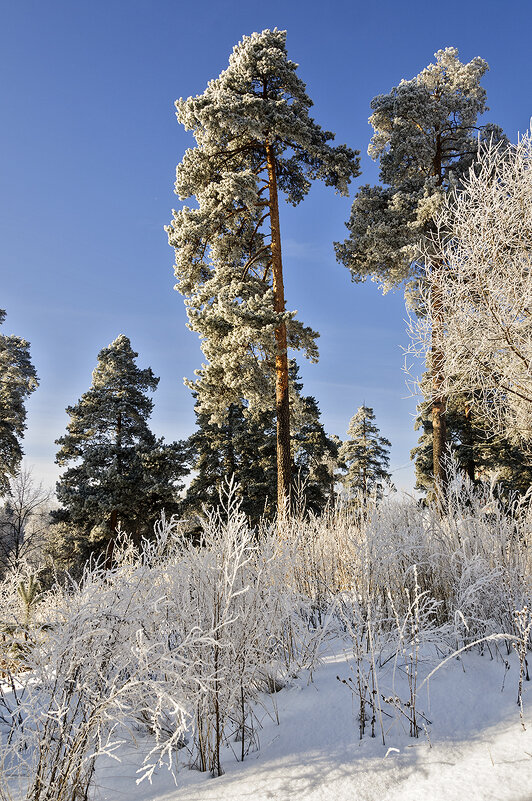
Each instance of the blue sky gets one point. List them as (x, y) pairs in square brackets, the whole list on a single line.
[(88, 149)]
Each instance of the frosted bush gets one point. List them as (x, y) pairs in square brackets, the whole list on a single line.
[(86, 668), (185, 641)]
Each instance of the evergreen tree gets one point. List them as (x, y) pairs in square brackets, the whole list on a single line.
[(18, 379), (366, 456), (254, 137), (426, 137), (314, 452), (244, 447), (122, 474)]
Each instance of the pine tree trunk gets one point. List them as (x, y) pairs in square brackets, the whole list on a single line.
[(281, 356), (109, 550), (230, 467), (439, 426)]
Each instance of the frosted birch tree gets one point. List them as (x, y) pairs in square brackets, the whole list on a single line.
[(24, 522), (18, 379), (425, 139), (481, 261), (254, 139)]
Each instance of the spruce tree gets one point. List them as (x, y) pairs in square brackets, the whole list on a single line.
[(314, 452), (366, 456), (426, 138), (18, 379), (254, 138), (122, 475)]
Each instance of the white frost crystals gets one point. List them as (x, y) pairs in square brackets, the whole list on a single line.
[(223, 248), (481, 262), (170, 647), (180, 648)]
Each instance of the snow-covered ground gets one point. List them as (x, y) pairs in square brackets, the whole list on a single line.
[(477, 749)]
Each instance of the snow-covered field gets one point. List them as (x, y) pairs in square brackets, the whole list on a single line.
[(175, 651), (477, 747)]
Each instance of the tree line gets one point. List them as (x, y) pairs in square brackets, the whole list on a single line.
[(255, 142), (119, 476)]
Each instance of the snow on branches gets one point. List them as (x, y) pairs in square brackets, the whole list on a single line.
[(479, 266)]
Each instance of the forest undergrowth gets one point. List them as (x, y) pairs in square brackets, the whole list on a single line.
[(182, 645)]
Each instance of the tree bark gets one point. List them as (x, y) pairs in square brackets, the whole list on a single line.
[(439, 425), (364, 463), (469, 443), (281, 356)]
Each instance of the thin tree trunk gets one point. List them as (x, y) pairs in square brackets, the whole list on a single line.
[(113, 517), (281, 356), (469, 442), (231, 461), (109, 550), (439, 426)]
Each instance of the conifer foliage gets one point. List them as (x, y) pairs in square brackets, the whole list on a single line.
[(366, 456), (121, 474), (243, 448), (254, 137), (426, 138), (478, 451), (18, 379)]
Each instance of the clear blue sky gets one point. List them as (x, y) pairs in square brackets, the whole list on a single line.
[(89, 145)]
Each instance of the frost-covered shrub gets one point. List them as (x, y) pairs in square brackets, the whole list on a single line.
[(178, 639), (182, 640), (471, 556), (83, 669), (240, 591)]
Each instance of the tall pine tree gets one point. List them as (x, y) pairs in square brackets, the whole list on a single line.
[(426, 137), (254, 138), (122, 475)]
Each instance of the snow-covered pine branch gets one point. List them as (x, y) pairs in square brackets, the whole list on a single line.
[(255, 138)]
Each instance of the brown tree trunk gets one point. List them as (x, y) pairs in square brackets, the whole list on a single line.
[(439, 426), (281, 356), (468, 442), (109, 550)]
